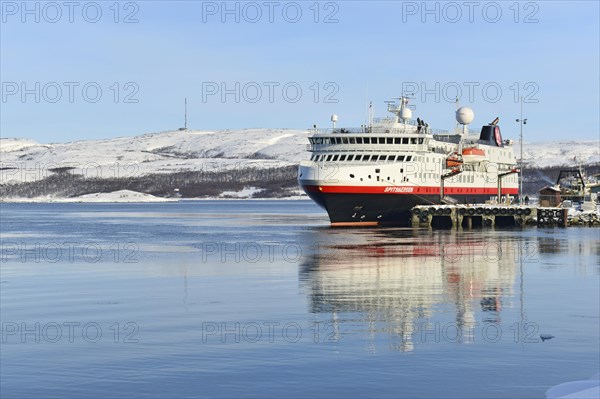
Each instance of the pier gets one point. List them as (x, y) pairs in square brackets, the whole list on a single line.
[(486, 215)]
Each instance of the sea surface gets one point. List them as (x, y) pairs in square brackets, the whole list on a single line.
[(243, 299)]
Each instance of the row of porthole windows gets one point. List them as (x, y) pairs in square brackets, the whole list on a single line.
[(360, 158), (366, 140)]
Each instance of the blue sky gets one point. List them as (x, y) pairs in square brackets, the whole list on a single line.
[(547, 52)]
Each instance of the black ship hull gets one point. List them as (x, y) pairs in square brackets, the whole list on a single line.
[(371, 209)]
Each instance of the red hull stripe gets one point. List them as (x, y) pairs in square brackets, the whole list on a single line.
[(426, 190)]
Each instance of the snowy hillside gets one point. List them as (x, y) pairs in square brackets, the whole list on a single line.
[(560, 153), (167, 152), (116, 196), (180, 151)]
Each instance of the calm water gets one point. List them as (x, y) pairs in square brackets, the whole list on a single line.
[(262, 298)]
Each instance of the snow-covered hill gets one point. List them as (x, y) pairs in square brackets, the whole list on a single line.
[(560, 153), (116, 196), (176, 151), (166, 152)]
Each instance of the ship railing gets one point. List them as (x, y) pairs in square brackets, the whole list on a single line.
[(365, 147), (378, 129), (384, 120)]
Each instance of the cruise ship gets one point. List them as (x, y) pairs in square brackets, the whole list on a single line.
[(374, 175)]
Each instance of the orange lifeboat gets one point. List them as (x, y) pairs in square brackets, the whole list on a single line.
[(453, 161), (473, 155)]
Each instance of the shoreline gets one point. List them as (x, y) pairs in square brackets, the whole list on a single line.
[(133, 201)]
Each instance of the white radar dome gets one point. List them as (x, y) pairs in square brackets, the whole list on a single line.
[(406, 114), (464, 115), (334, 118)]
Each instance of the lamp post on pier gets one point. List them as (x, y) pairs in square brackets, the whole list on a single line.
[(521, 122)]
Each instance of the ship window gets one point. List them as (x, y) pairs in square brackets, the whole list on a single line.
[(382, 140), (397, 140), (413, 140), (377, 170), (350, 157), (359, 140), (390, 140), (329, 158), (335, 158), (367, 140), (405, 140), (351, 176), (352, 140), (377, 177), (345, 140), (400, 158), (369, 176), (408, 158), (342, 157), (421, 140)]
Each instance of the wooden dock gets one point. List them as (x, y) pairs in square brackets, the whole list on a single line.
[(486, 215)]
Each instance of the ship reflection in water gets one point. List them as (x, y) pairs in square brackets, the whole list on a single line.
[(401, 286)]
